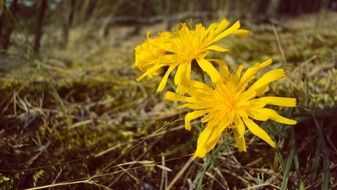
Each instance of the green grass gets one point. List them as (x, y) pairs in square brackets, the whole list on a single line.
[(76, 118)]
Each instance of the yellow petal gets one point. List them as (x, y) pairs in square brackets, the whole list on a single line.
[(200, 153), (213, 26), (191, 116), (264, 64), (198, 87), (222, 26), (173, 96), (209, 69), (199, 28), (223, 66), (240, 127), (228, 31), (242, 113), (273, 115), (182, 77), (216, 48), (257, 114), (194, 106), (239, 71), (187, 75), (197, 84), (148, 35), (150, 71), (240, 141), (248, 94), (179, 74), (278, 101), (202, 140), (163, 81), (250, 73), (242, 32), (208, 139), (268, 78), (262, 90), (259, 132)]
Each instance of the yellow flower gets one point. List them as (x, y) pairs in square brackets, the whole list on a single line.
[(186, 45), (149, 52), (232, 103)]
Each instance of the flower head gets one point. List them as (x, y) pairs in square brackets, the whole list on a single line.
[(180, 49), (148, 53), (232, 103)]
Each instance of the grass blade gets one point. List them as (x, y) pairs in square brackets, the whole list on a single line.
[(326, 161), (284, 184)]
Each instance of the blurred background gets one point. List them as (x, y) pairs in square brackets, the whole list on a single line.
[(73, 117), (37, 20)]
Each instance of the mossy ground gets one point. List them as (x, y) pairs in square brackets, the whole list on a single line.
[(76, 118)]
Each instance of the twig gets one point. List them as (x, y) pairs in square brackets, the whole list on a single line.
[(155, 134), (163, 181), (279, 45), (180, 173), (58, 184)]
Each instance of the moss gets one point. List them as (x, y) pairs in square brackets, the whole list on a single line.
[(82, 114)]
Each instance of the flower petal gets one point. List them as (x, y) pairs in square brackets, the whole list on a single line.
[(250, 73), (202, 140), (209, 69), (179, 74), (273, 115), (228, 31), (268, 78), (277, 101), (223, 66), (197, 86), (242, 32), (191, 116), (163, 81), (150, 71), (222, 26), (262, 90), (240, 141), (173, 96), (208, 139), (257, 114), (240, 127), (239, 71), (258, 131), (217, 48), (182, 77)]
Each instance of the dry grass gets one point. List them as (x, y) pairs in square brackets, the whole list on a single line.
[(76, 118)]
